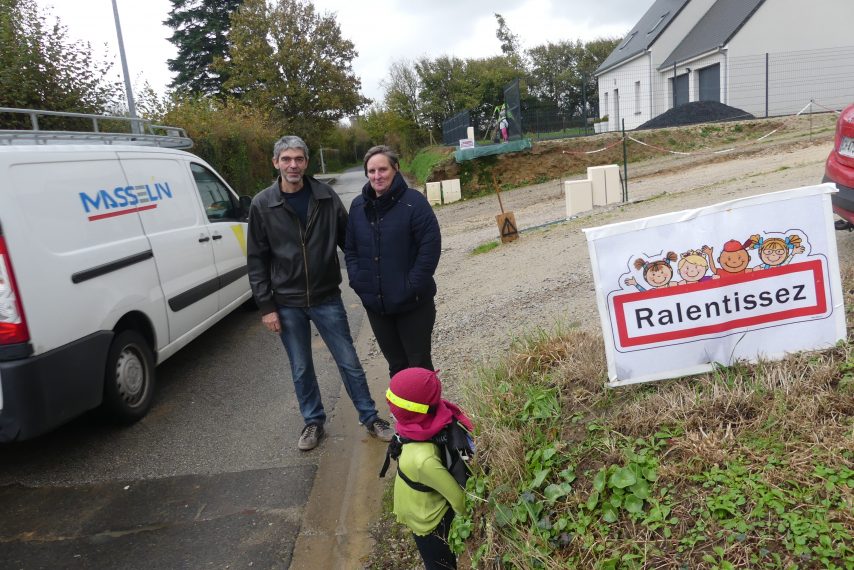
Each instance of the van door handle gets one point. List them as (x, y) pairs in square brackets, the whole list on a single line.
[(217, 236), (204, 239)]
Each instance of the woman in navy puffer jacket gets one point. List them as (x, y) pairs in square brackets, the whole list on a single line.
[(392, 250)]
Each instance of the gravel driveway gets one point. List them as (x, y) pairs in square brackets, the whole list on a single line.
[(545, 277)]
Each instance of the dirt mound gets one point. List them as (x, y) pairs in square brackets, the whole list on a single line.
[(696, 112)]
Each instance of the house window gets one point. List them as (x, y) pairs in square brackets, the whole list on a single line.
[(637, 98), (628, 39), (606, 104), (658, 23)]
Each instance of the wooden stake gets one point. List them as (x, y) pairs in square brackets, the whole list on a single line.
[(497, 192), (506, 220)]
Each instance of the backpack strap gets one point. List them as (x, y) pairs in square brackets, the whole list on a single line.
[(395, 446), (385, 464), (417, 486)]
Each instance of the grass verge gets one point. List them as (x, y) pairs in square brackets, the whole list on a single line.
[(750, 466), (423, 162)]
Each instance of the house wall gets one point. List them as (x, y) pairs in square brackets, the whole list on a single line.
[(810, 56), (623, 79), (794, 25)]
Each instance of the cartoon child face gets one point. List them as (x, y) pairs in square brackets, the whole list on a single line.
[(659, 275), (734, 261), (773, 254), (691, 271)]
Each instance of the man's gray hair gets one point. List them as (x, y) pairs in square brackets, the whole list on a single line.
[(382, 149), (289, 141)]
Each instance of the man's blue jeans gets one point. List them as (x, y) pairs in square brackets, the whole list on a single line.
[(330, 318)]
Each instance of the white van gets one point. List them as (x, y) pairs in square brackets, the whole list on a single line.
[(116, 250)]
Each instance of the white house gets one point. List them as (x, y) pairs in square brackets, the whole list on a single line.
[(767, 57)]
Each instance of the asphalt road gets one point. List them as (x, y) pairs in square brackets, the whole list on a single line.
[(211, 477)]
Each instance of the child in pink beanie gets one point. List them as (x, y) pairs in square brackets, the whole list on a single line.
[(427, 508)]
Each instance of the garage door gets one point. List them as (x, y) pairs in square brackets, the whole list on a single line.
[(710, 83), (681, 94)]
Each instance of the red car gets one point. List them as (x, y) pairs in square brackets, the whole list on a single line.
[(839, 168)]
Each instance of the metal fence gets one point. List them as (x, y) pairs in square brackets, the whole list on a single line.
[(544, 121), (512, 100), (455, 128)]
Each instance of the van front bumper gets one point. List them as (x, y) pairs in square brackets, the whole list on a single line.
[(42, 392)]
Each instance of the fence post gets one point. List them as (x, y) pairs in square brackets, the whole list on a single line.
[(625, 166), (584, 103), (766, 84), (811, 100), (674, 84)]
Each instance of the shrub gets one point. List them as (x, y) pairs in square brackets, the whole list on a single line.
[(235, 139)]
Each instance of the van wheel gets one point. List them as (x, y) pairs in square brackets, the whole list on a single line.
[(129, 379)]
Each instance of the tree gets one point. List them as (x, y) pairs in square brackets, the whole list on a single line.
[(234, 138), (443, 89), (554, 75), (401, 111), (561, 74), (294, 62), (487, 79), (450, 85), (401, 91), (201, 35), (509, 40), (40, 68)]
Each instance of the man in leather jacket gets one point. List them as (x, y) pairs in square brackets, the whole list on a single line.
[(295, 228)]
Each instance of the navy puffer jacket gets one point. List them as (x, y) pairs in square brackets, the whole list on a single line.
[(392, 249)]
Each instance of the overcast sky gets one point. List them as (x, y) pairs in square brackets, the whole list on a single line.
[(383, 31)]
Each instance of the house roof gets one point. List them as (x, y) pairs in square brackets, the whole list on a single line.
[(645, 32), (714, 30)]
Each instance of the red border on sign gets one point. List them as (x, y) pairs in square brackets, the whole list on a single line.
[(121, 212), (814, 266)]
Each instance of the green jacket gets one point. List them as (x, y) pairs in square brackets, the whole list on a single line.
[(418, 510)]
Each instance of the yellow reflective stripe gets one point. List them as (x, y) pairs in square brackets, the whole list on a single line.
[(406, 404)]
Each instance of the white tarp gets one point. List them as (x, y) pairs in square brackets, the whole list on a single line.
[(754, 278)]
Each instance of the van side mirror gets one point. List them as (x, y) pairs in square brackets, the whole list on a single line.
[(245, 202)]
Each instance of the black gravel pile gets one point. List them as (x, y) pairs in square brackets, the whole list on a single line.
[(696, 112)]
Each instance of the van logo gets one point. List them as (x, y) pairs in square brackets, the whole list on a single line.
[(124, 200)]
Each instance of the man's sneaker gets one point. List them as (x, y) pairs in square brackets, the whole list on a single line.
[(380, 429), (310, 437)]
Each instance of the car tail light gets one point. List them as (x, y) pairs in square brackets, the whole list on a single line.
[(13, 327)]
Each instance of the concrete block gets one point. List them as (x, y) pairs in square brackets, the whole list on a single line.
[(579, 196), (451, 191), (434, 192), (606, 184), (613, 188)]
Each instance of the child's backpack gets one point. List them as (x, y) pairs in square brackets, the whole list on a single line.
[(456, 448)]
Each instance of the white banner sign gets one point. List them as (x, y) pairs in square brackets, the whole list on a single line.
[(752, 278)]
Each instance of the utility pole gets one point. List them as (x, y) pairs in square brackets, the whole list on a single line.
[(322, 163), (135, 127)]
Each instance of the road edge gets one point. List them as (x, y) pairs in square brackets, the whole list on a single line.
[(346, 497)]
